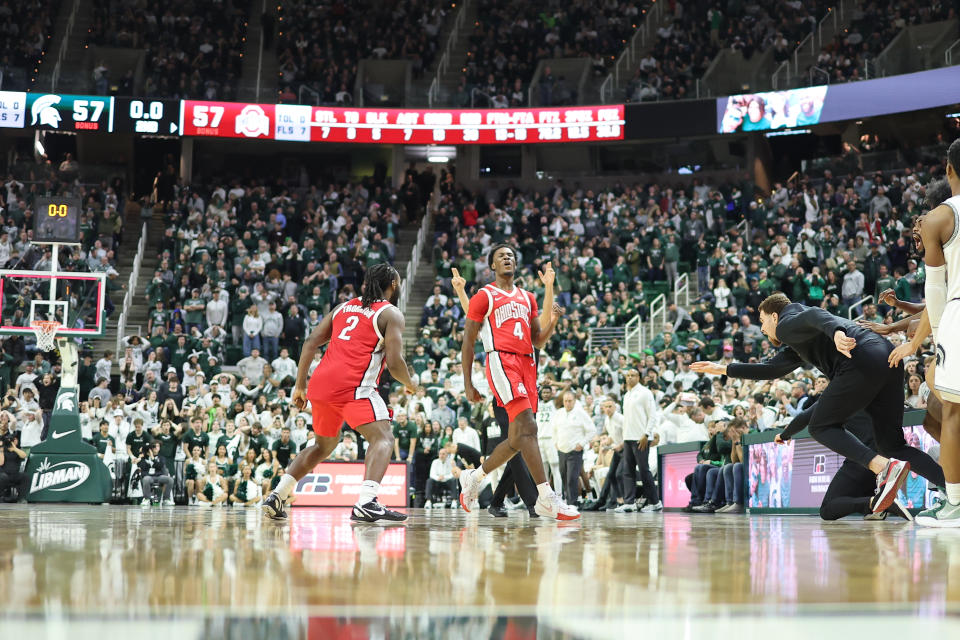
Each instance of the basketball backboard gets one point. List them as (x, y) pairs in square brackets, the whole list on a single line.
[(77, 301)]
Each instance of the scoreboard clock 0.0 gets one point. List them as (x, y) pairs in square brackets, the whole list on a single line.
[(56, 220), (69, 112), (147, 116)]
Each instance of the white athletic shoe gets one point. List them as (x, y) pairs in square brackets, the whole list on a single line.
[(553, 506), (889, 482), (145, 502), (168, 503), (469, 489), (650, 508), (428, 504), (626, 508)]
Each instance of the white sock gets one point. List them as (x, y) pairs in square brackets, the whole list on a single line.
[(368, 492), (953, 492), (286, 485), (544, 489)]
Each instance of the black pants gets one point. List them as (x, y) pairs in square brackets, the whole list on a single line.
[(571, 464), (435, 489), (632, 458), (515, 473), (14, 479), (867, 382), (611, 486), (849, 492)]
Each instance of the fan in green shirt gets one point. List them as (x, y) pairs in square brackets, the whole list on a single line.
[(420, 359)]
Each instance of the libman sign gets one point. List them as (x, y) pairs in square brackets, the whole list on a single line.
[(64, 468)]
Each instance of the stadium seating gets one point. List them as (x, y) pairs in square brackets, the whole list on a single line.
[(193, 49), (25, 32)]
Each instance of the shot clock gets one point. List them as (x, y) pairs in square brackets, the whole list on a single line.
[(56, 220)]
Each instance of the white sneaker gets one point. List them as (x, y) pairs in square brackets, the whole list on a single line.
[(553, 506), (453, 504), (428, 504), (145, 502), (626, 508), (650, 508), (469, 489), (168, 503)]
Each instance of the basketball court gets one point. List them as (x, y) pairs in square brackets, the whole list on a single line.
[(202, 572)]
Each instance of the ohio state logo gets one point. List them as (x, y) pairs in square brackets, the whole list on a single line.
[(319, 483), (253, 122)]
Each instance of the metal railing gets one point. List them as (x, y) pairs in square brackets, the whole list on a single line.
[(681, 290), (658, 307), (128, 297), (644, 34), (858, 303), (818, 73), (316, 95), (62, 53), (418, 248), (948, 54), (433, 93), (781, 77), (633, 335), (263, 11), (602, 336)]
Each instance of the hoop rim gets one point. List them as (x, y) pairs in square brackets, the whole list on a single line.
[(45, 325)]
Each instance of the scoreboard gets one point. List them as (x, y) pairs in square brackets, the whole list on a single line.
[(305, 123)]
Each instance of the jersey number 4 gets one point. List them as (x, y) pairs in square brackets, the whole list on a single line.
[(352, 323), (518, 330)]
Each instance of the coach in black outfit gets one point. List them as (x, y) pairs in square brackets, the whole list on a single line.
[(855, 361)]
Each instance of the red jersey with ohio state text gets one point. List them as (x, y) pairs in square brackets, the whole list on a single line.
[(505, 318), (354, 359)]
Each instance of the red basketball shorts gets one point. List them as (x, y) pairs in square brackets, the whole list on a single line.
[(356, 409), (513, 379)]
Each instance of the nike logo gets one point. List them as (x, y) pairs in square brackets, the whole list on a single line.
[(57, 436), (376, 512)]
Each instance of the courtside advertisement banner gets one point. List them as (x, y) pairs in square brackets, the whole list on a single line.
[(795, 475), (674, 468), (337, 484)]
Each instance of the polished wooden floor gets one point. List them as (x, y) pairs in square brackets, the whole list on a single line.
[(586, 579)]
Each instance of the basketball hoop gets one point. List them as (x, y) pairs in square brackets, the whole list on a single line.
[(46, 332)]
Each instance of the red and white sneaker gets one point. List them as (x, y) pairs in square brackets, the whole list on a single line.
[(469, 489), (553, 506), (889, 482)]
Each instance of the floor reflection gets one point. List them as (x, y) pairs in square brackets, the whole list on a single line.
[(80, 559)]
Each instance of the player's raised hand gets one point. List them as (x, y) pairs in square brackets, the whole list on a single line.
[(548, 275), (713, 368), (843, 342), (887, 297), (299, 398), (458, 282)]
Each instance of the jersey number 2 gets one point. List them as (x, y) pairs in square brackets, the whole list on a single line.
[(518, 330), (352, 323)]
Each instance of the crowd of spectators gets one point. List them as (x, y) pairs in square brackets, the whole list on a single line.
[(510, 38), (873, 27), (194, 49), (696, 32), (320, 44), (26, 27)]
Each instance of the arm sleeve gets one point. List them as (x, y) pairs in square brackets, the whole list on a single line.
[(807, 324), (935, 291), (776, 367), (479, 304)]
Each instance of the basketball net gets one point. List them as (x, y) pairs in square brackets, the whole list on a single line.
[(46, 332)]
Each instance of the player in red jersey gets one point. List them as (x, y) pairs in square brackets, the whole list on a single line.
[(505, 317), (364, 334)]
